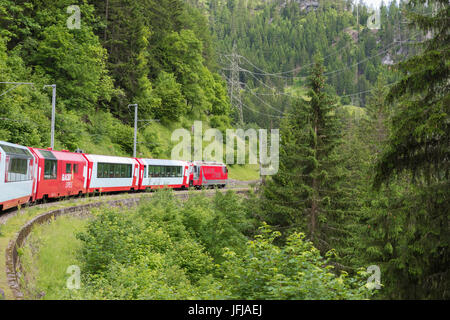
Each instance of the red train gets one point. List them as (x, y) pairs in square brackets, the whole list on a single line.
[(32, 174)]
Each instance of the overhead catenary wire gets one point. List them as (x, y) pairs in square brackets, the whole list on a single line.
[(17, 84), (297, 69)]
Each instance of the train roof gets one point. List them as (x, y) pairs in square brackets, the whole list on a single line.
[(58, 155), (209, 163), (109, 159), (164, 162)]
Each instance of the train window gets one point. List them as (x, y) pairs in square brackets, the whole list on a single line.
[(168, 171), (150, 171), (100, 170), (18, 170), (113, 170), (75, 168), (68, 168), (165, 171), (50, 169), (145, 171)]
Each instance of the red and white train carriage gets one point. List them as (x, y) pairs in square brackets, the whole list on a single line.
[(110, 174), (156, 173)]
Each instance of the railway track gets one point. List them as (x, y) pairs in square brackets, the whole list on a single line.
[(80, 204), (7, 214)]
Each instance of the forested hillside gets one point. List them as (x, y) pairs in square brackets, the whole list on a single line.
[(275, 42), (157, 54)]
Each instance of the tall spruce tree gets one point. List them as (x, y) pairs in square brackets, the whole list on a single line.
[(304, 194), (420, 142), (412, 231)]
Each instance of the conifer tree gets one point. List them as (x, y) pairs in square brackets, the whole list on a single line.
[(410, 236), (304, 194), (421, 137)]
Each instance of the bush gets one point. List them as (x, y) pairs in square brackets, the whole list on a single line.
[(295, 271), (198, 249)]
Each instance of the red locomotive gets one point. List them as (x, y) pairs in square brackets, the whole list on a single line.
[(208, 174), (29, 174)]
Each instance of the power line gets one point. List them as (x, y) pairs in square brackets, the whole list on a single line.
[(265, 103), (276, 91), (279, 74), (361, 61), (383, 50), (266, 114)]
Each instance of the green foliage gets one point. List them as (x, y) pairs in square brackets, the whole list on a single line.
[(281, 39), (173, 104), (166, 249), (77, 64), (411, 213), (295, 271), (162, 245)]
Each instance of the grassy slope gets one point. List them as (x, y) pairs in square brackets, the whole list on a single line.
[(13, 225), (49, 251), (243, 173)]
